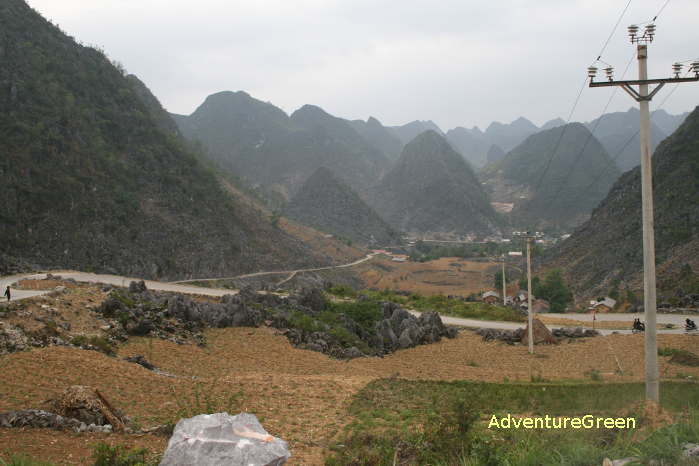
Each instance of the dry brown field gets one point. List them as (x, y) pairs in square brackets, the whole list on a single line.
[(447, 276), (299, 395)]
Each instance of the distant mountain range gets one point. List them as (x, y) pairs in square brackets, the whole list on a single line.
[(554, 178), (96, 176), (260, 142), (326, 203), (619, 134), (431, 188), (410, 131), (608, 247), (474, 144)]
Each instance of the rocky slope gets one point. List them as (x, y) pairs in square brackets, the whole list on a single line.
[(608, 247), (95, 178), (327, 204), (560, 194), (432, 189)]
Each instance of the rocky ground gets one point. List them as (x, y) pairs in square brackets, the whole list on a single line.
[(299, 394)]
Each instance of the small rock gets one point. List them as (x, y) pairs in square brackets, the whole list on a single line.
[(690, 450)]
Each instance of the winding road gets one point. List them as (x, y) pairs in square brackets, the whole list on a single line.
[(182, 287)]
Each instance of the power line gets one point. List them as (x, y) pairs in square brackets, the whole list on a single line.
[(611, 34), (623, 148), (577, 100), (591, 133), (661, 10)]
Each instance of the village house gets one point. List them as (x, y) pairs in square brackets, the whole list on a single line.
[(541, 306), (490, 297), (602, 305)]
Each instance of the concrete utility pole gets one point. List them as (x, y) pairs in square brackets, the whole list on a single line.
[(530, 336), (504, 285), (644, 97)]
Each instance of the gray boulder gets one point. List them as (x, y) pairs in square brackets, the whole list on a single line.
[(404, 341), (137, 287), (216, 439), (387, 335)]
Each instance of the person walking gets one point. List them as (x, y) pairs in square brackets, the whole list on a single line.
[(7, 293)]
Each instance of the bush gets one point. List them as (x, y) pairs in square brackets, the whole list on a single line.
[(100, 343), (118, 455)]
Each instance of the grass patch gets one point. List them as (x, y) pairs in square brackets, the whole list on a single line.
[(679, 356), (102, 344), (118, 455), (449, 306), (23, 460), (444, 423), (202, 400)]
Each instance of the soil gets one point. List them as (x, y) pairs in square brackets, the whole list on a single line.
[(447, 276), (299, 395)]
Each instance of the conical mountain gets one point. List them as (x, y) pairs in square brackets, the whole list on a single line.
[(608, 247), (432, 189), (232, 124), (554, 178), (93, 179), (326, 203)]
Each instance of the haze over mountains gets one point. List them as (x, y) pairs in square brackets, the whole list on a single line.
[(608, 246), (97, 175), (278, 153)]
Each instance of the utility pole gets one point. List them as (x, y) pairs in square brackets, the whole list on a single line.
[(644, 97), (504, 285), (530, 336)]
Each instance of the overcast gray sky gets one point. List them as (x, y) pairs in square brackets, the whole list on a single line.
[(457, 62)]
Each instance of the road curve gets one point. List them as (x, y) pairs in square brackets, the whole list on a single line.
[(281, 272), (117, 280)]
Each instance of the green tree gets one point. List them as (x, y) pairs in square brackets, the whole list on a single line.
[(498, 280), (554, 290)]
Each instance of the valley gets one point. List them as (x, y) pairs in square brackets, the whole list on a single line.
[(301, 233)]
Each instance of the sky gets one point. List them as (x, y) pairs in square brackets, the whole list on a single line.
[(456, 62)]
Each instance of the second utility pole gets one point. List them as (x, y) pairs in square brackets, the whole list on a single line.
[(530, 335), (504, 285)]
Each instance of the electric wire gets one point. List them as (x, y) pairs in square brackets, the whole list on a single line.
[(635, 135)]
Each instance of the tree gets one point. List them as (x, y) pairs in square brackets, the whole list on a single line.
[(498, 280), (555, 291)]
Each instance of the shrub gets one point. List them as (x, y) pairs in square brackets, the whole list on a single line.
[(118, 455)]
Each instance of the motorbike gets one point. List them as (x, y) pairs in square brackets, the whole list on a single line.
[(690, 326)]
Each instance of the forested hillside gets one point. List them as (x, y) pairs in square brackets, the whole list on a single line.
[(95, 177), (608, 247)]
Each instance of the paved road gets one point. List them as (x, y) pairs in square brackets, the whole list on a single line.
[(291, 273), (206, 291), (477, 323), (115, 280)]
